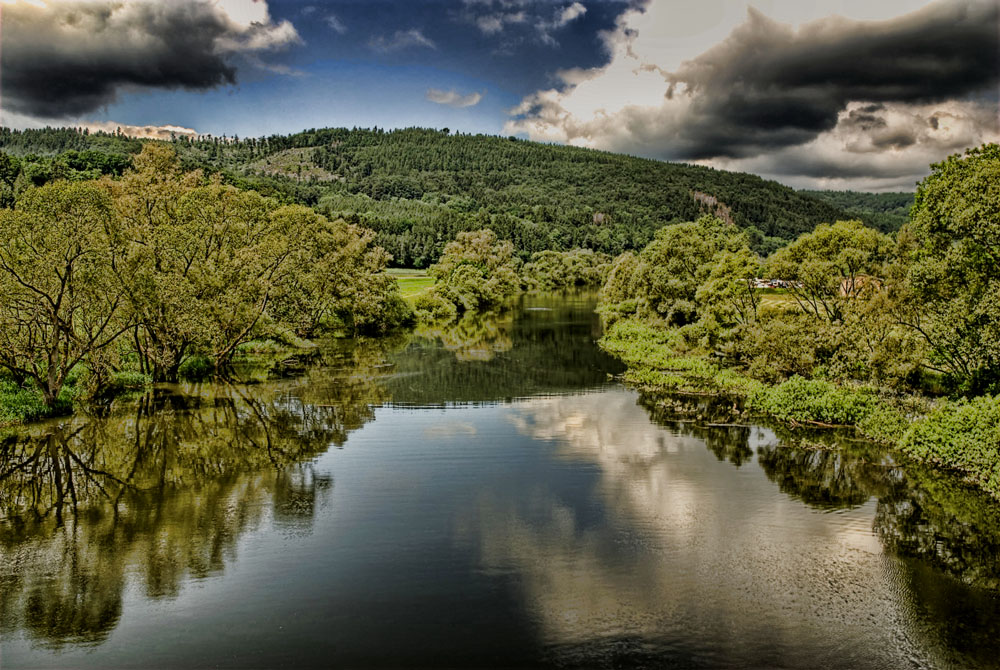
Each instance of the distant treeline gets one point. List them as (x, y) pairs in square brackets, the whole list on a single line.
[(417, 188), (885, 211)]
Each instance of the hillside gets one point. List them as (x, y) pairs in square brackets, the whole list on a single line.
[(418, 187), (885, 211)]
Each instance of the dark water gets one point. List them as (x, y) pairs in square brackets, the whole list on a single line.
[(479, 497)]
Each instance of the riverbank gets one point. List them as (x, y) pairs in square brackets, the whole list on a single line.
[(957, 435), (22, 404)]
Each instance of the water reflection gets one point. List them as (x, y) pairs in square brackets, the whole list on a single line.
[(546, 345), (688, 553), (163, 494), (820, 478), (579, 524), (920, 513), (706, 418)]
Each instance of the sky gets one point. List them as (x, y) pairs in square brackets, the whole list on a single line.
[(860, 94)]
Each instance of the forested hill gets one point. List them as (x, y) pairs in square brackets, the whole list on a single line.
[(884, 211), (418, 187)]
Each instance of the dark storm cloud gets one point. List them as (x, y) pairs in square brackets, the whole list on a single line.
[(70, 58), (769, 86)]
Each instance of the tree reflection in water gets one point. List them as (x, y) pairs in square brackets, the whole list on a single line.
[(704, 417), (920, 513), (164, 491), (160, 492), (545, 346)]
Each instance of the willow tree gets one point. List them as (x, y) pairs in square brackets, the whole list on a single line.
[(662, 281), (61, 294), (728, 293), (832, 266), (476, 270), (206, 258), (335, 277)]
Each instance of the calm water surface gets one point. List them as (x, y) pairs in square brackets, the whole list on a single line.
[(480, 496)]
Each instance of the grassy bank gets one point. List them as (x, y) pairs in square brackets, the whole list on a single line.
[(411, 282), (961, 436)]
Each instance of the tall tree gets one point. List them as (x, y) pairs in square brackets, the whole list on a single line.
[(61, 259), (832, 265), (954, 272)]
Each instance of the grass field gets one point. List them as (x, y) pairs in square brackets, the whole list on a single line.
[(770, 298), (411, 282)]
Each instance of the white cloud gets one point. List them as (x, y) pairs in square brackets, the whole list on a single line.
[(571, 13), (402, 39), (711, 84), (540, 17), (454, 99), (336, 25), (490, 24)]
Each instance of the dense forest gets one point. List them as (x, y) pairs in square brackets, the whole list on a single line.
[(885, 211), (417, 188)]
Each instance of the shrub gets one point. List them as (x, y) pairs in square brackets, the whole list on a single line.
[(19, 404), (196, 368), (962, 435), (431, 307), (815, 400)]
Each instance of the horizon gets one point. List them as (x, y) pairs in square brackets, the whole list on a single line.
[(153, 134), (830, 95)]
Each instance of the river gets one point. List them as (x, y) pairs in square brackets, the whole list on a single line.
[(484, 495)]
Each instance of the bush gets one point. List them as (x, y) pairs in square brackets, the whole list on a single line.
[(962, 435), (781, 345), (431, 307), (19, 404), (196, 368), (815, 400)]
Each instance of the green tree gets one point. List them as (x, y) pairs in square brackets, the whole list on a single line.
[(336, 277), (476, 270), (666, 275), (953, 281), (551, 270), (10, 168), (60, 298), (206, 258), (831, 266), (728, 293)]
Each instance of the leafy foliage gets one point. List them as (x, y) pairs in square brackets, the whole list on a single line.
[(60, 295), (129, 279), (831, 266), (963, 436), (553, 270), (476, 271), (952, 283), (417, 188), (663, 281)]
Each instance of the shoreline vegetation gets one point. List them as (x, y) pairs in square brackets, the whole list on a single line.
[(895, 337), (110, 285), (954, 435)]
